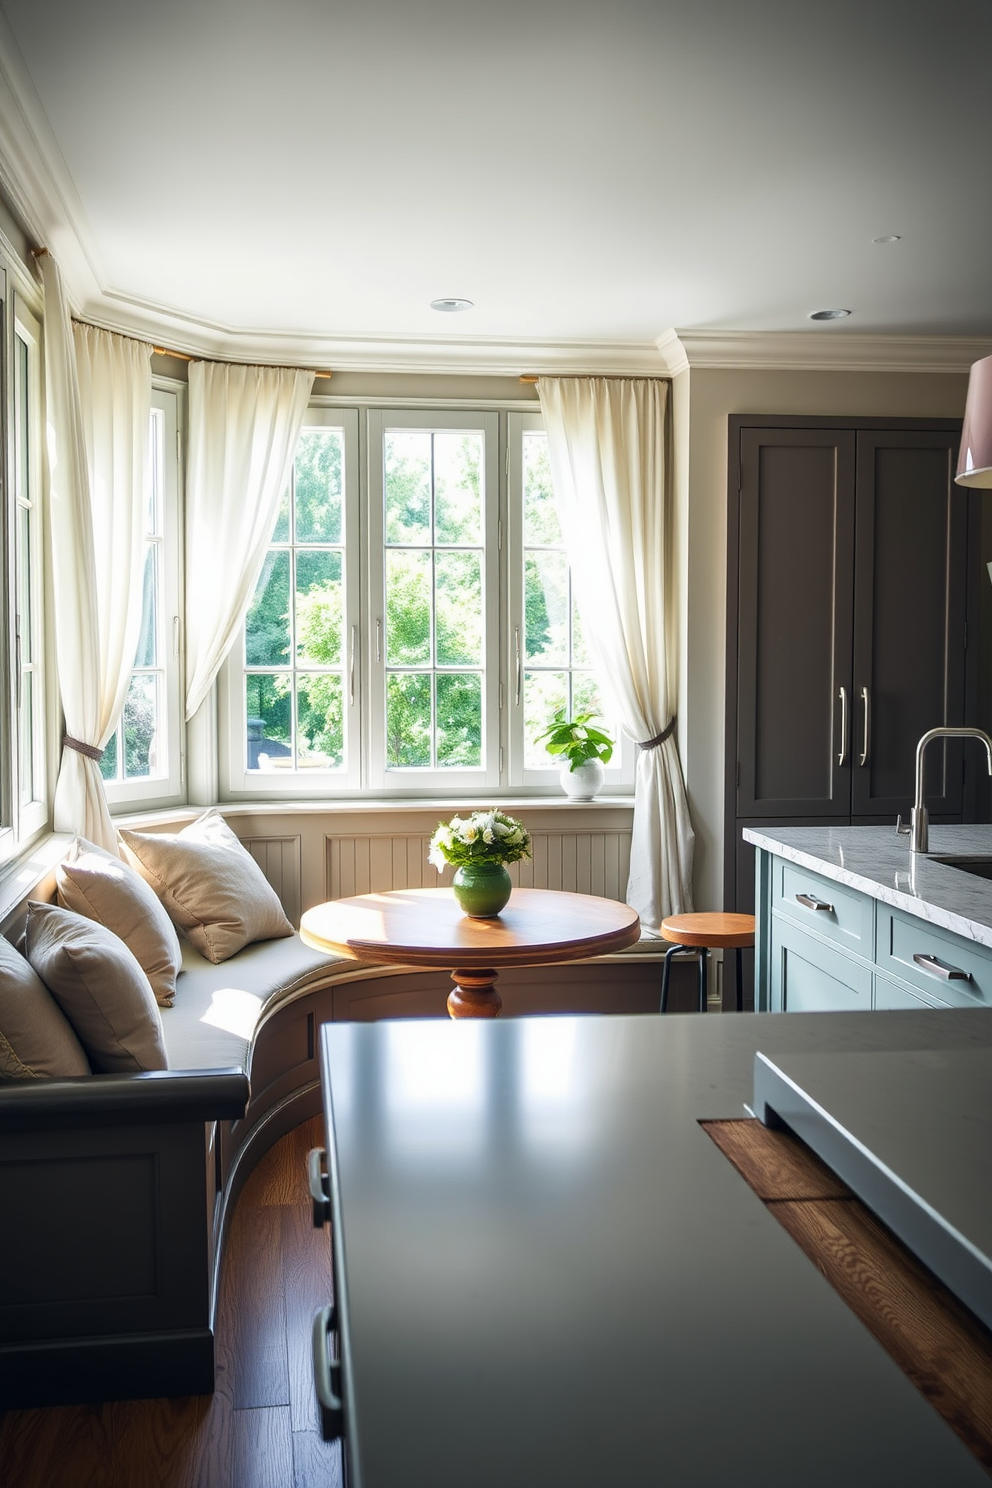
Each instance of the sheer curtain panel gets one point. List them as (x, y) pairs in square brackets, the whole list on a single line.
[(243, 426), (98, 407), (607, 446)]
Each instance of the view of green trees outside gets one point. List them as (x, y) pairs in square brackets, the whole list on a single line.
[(294, 631), (433, 556), (130, 753), (557, 669)]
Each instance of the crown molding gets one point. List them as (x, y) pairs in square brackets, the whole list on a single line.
[(826, 350)]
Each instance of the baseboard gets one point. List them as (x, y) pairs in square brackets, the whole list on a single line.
[(131, 1367)]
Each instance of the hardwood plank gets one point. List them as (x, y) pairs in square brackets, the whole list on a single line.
[(308, 1284), (262, 1447), (774, 1163), (281, 1175), (937, 1342), (316, 1463), (254, 1308)]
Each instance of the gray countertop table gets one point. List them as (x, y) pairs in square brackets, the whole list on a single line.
[(549, 1275)]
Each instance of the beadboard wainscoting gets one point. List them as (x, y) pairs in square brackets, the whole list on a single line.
[(312, 852)]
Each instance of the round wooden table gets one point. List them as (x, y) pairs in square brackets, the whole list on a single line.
[(425, 927)]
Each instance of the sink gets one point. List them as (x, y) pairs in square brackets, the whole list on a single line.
[(979, 867)]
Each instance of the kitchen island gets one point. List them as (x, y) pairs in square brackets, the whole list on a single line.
[(849, 919), (547, 1272)]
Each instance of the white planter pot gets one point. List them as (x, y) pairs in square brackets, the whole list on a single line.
[(582, 783)]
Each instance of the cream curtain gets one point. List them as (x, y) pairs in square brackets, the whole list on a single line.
[(98, 403), (243, 426), (607, 445)]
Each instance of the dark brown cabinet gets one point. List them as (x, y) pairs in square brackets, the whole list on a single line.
[(849, 588)]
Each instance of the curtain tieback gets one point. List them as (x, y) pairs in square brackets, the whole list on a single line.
[(90, 750), (659, 738)]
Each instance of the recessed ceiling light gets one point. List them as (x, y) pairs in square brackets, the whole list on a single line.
[(829, 314), (450, 305), (888, 238)]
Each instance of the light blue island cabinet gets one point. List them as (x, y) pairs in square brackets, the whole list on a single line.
[(848, 918)]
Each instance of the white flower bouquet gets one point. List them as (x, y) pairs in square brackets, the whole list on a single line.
[(483, 837)]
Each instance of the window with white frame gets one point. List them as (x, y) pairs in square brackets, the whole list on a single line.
[(142, 761), (413, 628)]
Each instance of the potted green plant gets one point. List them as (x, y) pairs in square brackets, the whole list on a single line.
[(480, 846), (585, 748)]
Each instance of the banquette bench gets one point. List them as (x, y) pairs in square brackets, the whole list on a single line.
[(116, 1189)]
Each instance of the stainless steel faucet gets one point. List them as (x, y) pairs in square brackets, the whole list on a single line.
[(919, 821)]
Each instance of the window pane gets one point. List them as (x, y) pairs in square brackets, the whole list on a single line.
[(318, 470), (408, 720), (459, 609), (587, 698), (546, 608), (580, 651), (408, 485), (541, 528), (458, 488), (459, 719), (408, 608), (267, 625), (27, 739), (320, 721), (147, 652), (25, 579), (319, 608), (140, 727), (269, 714), (544, 693), (108, 765), (155, 487)]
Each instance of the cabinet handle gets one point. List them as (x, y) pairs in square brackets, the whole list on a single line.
[(933, 967), (327, 1376), (319, 1192), (810, 901), (867, 738), (842, 757)]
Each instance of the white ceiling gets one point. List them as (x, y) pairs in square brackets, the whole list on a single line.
[(301, 177)]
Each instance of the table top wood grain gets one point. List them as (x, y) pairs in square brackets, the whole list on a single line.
[(426, 927)]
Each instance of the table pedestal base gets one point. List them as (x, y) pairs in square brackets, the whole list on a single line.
[(474, 994)]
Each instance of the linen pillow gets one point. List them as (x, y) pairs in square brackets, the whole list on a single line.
[(99, 986), (212, 887), (94, 883), (36, 1038)]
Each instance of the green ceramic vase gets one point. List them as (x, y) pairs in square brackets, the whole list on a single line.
[(482, 889)]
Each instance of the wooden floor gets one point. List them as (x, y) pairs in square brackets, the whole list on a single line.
[(259, 1430)]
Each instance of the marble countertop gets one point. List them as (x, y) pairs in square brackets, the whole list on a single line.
[(876, 861)]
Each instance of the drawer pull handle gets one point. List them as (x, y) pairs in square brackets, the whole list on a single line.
[(327, 1376), (810, 901), (933, 967), (319, 1190)]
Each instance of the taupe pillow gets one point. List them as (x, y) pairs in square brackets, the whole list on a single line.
[(94, 883), (212, 887), (36, 1038), (99, 986)]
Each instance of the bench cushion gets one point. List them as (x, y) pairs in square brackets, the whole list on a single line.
[(218, 1008)]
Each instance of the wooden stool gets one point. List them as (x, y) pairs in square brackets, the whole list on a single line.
[(700, 932)]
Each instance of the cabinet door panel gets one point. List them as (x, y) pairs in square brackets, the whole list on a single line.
[(795, 621), (910, 608), (807, 976)]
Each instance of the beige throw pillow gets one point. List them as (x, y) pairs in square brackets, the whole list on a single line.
[(212, 887), (36, 1038), (99, 986), (94, 883)]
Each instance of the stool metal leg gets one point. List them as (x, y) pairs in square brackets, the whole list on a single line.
[(665, 975), (702, 979), (740, 981)]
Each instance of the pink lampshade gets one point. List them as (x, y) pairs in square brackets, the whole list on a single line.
[(975, 459)]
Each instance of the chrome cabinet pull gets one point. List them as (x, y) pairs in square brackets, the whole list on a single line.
[(320, 1195), (934, 967), (842, 757), (867, 738), (810, 901), (327, 1375)]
